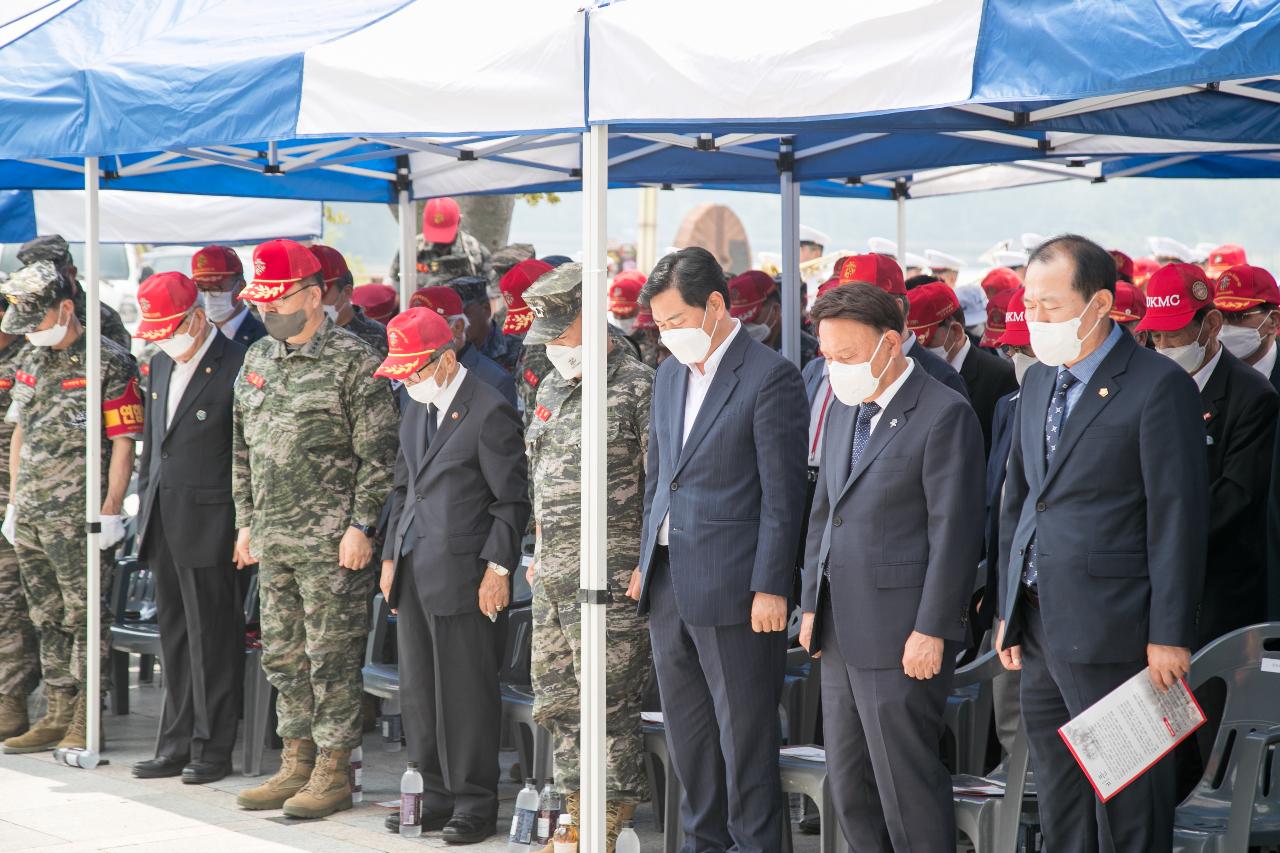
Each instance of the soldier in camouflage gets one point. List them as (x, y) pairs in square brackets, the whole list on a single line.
[(53, 248), (554, 441), (443, 244), (313, 443), (483, 332), (644, 336), (532, 365), (336, 299), (45, 517), (19, 652), (500, 264)]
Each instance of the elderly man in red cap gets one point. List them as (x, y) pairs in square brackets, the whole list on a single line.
[(1128, 309), (314, 442), (1240, 409), (1249, 301), (532, 365), (444, 245), (336, 299), (185, 520), (937, 319), (380, 302), (446, 302), (219, 276), (756, 300), (458, 511)]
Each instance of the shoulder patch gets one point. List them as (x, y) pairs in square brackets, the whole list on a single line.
[(255, 379), (543, 413), (123, 415), (26, 378), (6, 384), (531, 377), (74, 383)]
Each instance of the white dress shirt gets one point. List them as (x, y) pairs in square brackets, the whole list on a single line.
[(180, 378), (1202, 375), (232, 326), (444, 399), (958, 359), (1267, 363), (817, 414), (908, 341), (694, 396), (885, 397)]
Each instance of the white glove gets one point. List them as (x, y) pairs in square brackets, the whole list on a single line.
[(10, 526), (112, 531)]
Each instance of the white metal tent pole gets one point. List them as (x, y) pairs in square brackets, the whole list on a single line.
[(93, 460), (789, 191), (900, 193), (594, 576), (408, 235), (647, 230)]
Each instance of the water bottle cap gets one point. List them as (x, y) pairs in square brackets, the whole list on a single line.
[(628, 824), (530, 781), (413, 765), (566, 819)]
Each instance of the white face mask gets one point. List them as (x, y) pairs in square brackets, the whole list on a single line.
[(853, 383), (626, 324), (1057, 343), (177, 344), (1188, 356), (331, 311), (51, 336), (1240, 341), (1021, 363), (426, 391), (220, 306), (689, 346), (566, 360), (758, 331)]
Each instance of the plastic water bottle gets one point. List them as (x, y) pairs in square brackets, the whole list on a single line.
[(566, 837), (548, 812), (391, 731), (355, 774), (523, 819), (411, 802), (628, 841), (75, 756)]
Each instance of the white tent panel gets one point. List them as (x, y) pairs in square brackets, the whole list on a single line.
[(967, 179), (677, 60), (134, 217), (441, 174), (490, 68), (1064, 145)]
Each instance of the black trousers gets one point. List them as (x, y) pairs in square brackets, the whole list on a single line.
[(720, 689), (449, 701), (201, 619), (1139, 819)]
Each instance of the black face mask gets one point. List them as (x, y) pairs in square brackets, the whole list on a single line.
[(285, 326)]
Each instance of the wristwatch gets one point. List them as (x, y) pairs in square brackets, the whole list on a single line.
[(498, 570), (367, 529)]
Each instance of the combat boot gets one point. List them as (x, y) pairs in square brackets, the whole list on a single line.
[(75, 736), (13, 716), (615, 815), (328, 790), (49, 729), (296, 761)]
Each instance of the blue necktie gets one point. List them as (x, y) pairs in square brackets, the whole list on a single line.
[(1053, 421), (862, 432)]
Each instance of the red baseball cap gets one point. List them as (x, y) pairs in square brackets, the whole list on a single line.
[(747, 293), (165, 298), (1000, 278), (880, 270), (1124, 264), (829, 284), (624, 293), (1242, 287), (413, 338), (380, 302), (513, 285), (1016, 331), (1143, 269), (441, 299), (1130, 303), (644, 319), (930, 304), (332, 265), (277, 266), (1225, 257), (1174, 294), (215, 262), (440, 218), (997, 307)]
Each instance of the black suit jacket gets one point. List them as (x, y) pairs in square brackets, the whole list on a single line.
[(490, 372), (251, 329), (1120, 517), (988, 378), (901, 534), (463, 497), (184, 472), (1240, 410), (1002, 422), (937, 368), (1275, 373)]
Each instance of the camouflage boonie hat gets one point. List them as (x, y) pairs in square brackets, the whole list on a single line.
[(471, 288), (30, 293), (442, 270), (50, 247), (555, 300)]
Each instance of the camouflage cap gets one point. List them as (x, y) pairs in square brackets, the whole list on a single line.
[(31, 292), (472, 288), (508, 256), (555, 300), (49, 247)]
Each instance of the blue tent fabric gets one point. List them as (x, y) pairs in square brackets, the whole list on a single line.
[(17, 216)]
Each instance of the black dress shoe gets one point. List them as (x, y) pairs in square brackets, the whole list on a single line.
[(204, 772), (158, 768), (431, 821), (467, 829)]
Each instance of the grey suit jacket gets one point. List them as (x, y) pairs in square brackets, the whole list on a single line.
[(901, 534), (1121, 517), (464, 498), (735, 490)]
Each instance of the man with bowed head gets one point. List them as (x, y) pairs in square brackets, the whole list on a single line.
[(1102, 538)]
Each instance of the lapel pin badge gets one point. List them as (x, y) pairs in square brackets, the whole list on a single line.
[(201, 414), (454, 416), (154, 395), (893, 423), (1102, 392), (208, 370)]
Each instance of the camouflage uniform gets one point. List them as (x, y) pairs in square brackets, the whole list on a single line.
[(112, 326), (53, 248), (532, 368), (371, 332), (314, 438), (19, 652), (467, 256), (648, 343), (50, 390), (554, 441)]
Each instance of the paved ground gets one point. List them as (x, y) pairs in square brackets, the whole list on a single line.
[(54, 809)]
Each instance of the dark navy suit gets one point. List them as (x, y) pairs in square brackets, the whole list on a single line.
[(1120, 520), (251, 329), (734, 492), (1002, 421), (489, 372), (937, 368)]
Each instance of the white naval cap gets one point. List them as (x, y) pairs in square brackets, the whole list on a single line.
[(941, 260), (813, 235)]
